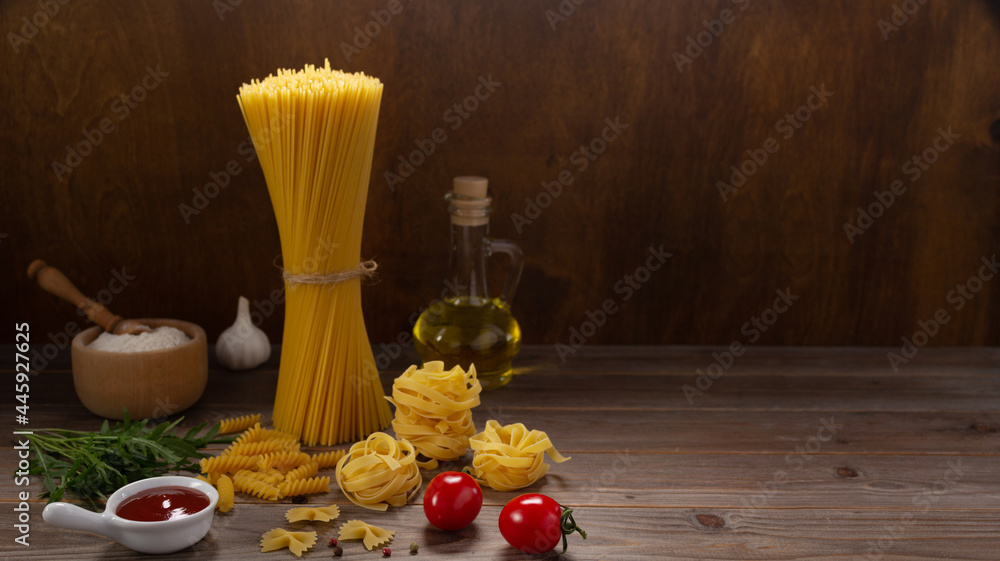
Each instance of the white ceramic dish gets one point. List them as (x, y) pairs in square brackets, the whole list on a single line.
[(165, 536)]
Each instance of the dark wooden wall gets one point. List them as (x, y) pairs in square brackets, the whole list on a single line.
[(655, 185)]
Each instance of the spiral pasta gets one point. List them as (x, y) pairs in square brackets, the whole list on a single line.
[(226, 464), (328, 459), (309, 486), (434, 410), (227, 497), (256, 488), (260, 448), (511, 457), (304, 471), (282, 461), (269, 477), (237, 424), (378, 472)]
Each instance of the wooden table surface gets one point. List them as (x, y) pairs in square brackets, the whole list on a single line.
[(792, 453)]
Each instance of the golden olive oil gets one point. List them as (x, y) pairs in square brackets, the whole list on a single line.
[(461, 332)]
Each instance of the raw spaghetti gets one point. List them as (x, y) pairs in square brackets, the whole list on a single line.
[(314, 132)]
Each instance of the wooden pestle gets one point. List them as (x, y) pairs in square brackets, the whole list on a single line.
[(56, 283)]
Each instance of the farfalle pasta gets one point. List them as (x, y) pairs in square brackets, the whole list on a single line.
[(379, 471), (511, 457), (372, 536), (279, 538), (313, 513), (434, 410)]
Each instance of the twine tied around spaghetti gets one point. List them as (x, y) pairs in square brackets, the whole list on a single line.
[(363, 270)]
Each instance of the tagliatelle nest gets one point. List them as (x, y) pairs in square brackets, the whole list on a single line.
[(511, 457), (379, 471), (434, 410)]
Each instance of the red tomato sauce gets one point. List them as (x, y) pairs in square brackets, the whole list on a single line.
[(162, 503)]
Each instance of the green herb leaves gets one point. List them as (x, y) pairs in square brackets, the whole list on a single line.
[(92, 465)]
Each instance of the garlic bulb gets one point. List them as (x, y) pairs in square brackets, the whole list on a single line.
[(242, 346)]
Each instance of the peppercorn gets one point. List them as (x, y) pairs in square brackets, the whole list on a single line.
[(338, 551), (414, 548), (386, 552), (333, 542)]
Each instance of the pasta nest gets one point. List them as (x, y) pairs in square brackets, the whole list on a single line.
[(434, 410), (379, 471), (511, 457)]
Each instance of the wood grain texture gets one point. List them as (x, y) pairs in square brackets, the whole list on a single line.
[(750, 475), (655, 185)]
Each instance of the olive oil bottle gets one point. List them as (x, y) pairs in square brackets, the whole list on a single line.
[(470, 327)]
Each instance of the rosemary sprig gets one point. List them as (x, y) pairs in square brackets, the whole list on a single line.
[(92, 465)]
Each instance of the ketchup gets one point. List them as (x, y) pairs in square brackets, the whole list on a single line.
[(162, 503)]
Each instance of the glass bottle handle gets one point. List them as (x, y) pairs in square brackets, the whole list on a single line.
[(516, 265)]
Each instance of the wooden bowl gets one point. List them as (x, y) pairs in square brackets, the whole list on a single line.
[(150, 383)]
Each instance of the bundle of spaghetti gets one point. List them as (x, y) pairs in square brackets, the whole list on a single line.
[(511, 457), (314, 132), (434, 410), (379, 471)]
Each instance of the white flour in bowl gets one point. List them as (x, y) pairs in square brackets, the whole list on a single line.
[(161, 338)]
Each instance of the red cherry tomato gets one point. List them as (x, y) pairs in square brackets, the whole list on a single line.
[(535, 523), (452, 500)]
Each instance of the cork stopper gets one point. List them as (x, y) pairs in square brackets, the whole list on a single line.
[(470, 186), (469, 204)]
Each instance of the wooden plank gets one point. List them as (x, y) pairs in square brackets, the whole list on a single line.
[(784, 391), (677, 431), (620, 534), (637, 479), (799, 362)]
